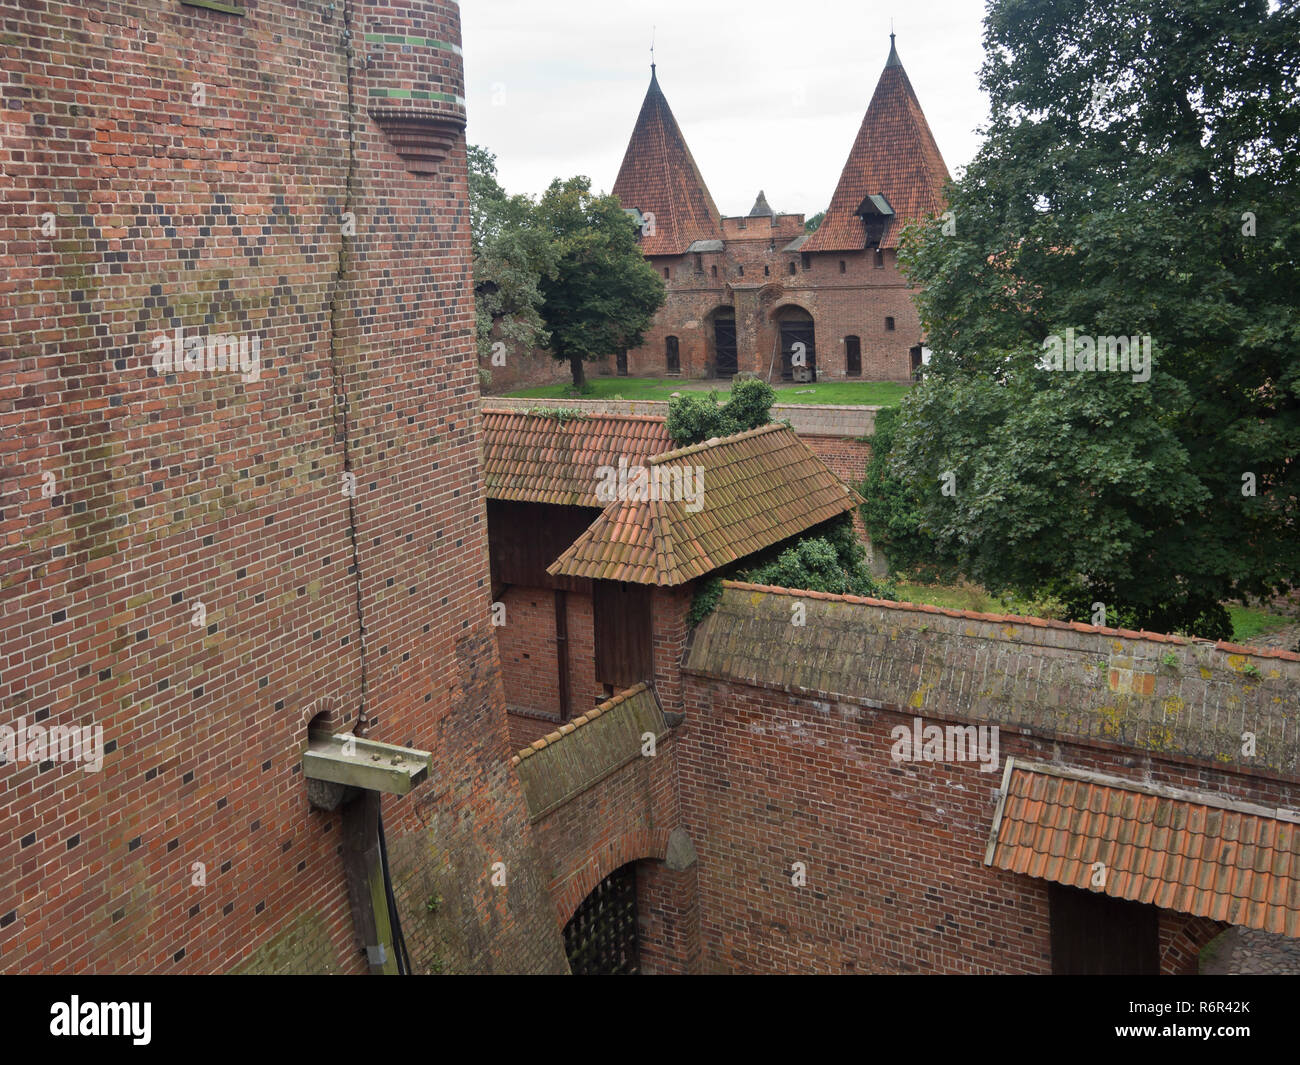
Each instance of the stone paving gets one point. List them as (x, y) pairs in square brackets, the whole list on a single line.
[(1248, 952)]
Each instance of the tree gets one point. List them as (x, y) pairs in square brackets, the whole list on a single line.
[(1137, 180), (829, 558), (512, 254), (892, 512), (694, 417), (603, 293), (810, 226)]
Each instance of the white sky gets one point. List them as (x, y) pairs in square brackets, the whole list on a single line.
[(768, 94)]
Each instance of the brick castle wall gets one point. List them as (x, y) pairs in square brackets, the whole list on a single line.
[(187, 565), (530, 666), (893, 852), (854, 302), (624, 817)]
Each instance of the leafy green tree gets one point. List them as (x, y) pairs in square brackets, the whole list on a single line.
[(830, 558), (810, 225), (892, 512), (694, 417), (1138, 179), (603, 294), (512, 254)]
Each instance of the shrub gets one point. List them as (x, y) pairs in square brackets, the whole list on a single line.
[(694, 417)]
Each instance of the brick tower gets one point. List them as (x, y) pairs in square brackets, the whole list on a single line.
[(756, 292), (242, 493)]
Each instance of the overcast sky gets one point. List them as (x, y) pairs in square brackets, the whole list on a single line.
[(768, 94)]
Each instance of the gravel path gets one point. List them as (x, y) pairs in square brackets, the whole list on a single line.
[(1284, 639), (1246, 952)]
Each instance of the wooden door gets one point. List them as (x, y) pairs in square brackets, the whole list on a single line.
[(1096, 935)]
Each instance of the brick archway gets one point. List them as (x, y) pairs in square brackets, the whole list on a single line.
[(1182, 939), (640, 844)]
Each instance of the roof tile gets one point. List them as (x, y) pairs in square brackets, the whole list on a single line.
[(756, 489), (1191, 863), (539, 458), (894, 155), (659, 177)]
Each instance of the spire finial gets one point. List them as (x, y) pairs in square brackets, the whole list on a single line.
[(652, 51), (893, 60)]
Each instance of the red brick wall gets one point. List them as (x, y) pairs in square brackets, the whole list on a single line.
[(627, 817), (853, 303), (669, 608), (893, 852), (178, 489), (668, 914), (529, 666), (847, 458), (526, 643)]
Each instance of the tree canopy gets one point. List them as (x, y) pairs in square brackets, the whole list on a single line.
[(603, 294), (1138, 180), (512, 253)]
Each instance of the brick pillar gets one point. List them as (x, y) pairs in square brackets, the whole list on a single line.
[(668, 915), (669, 607), (748, 329)]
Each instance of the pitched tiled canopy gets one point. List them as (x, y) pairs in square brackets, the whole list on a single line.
[(1028, 675), (659, 177), (894, 156), (541, 458), (1179, 850), (564, 763), (761, 207), (757, 489)]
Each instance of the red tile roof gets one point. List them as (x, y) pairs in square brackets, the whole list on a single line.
[(756, 489), (894, 155), (659, 176), (1179, 850), (539, 458)]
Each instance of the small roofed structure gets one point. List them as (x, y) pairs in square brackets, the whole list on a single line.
[(701, 508), (545, 457), (894, 160), (660, 179), (761, 207)]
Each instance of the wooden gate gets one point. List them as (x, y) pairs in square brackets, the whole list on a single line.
[(601, 937), (724, 345), (798, 331), (1096, 935)]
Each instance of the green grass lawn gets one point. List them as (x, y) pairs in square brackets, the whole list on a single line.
[(1247, 622), (852, 393)]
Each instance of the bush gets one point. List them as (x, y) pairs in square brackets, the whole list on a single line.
[(707, 594), (694, 417), (890, 512), (832, 560)]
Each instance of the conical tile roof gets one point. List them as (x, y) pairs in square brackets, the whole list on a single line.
[(761, 207), (894, 156), (659, 177)]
